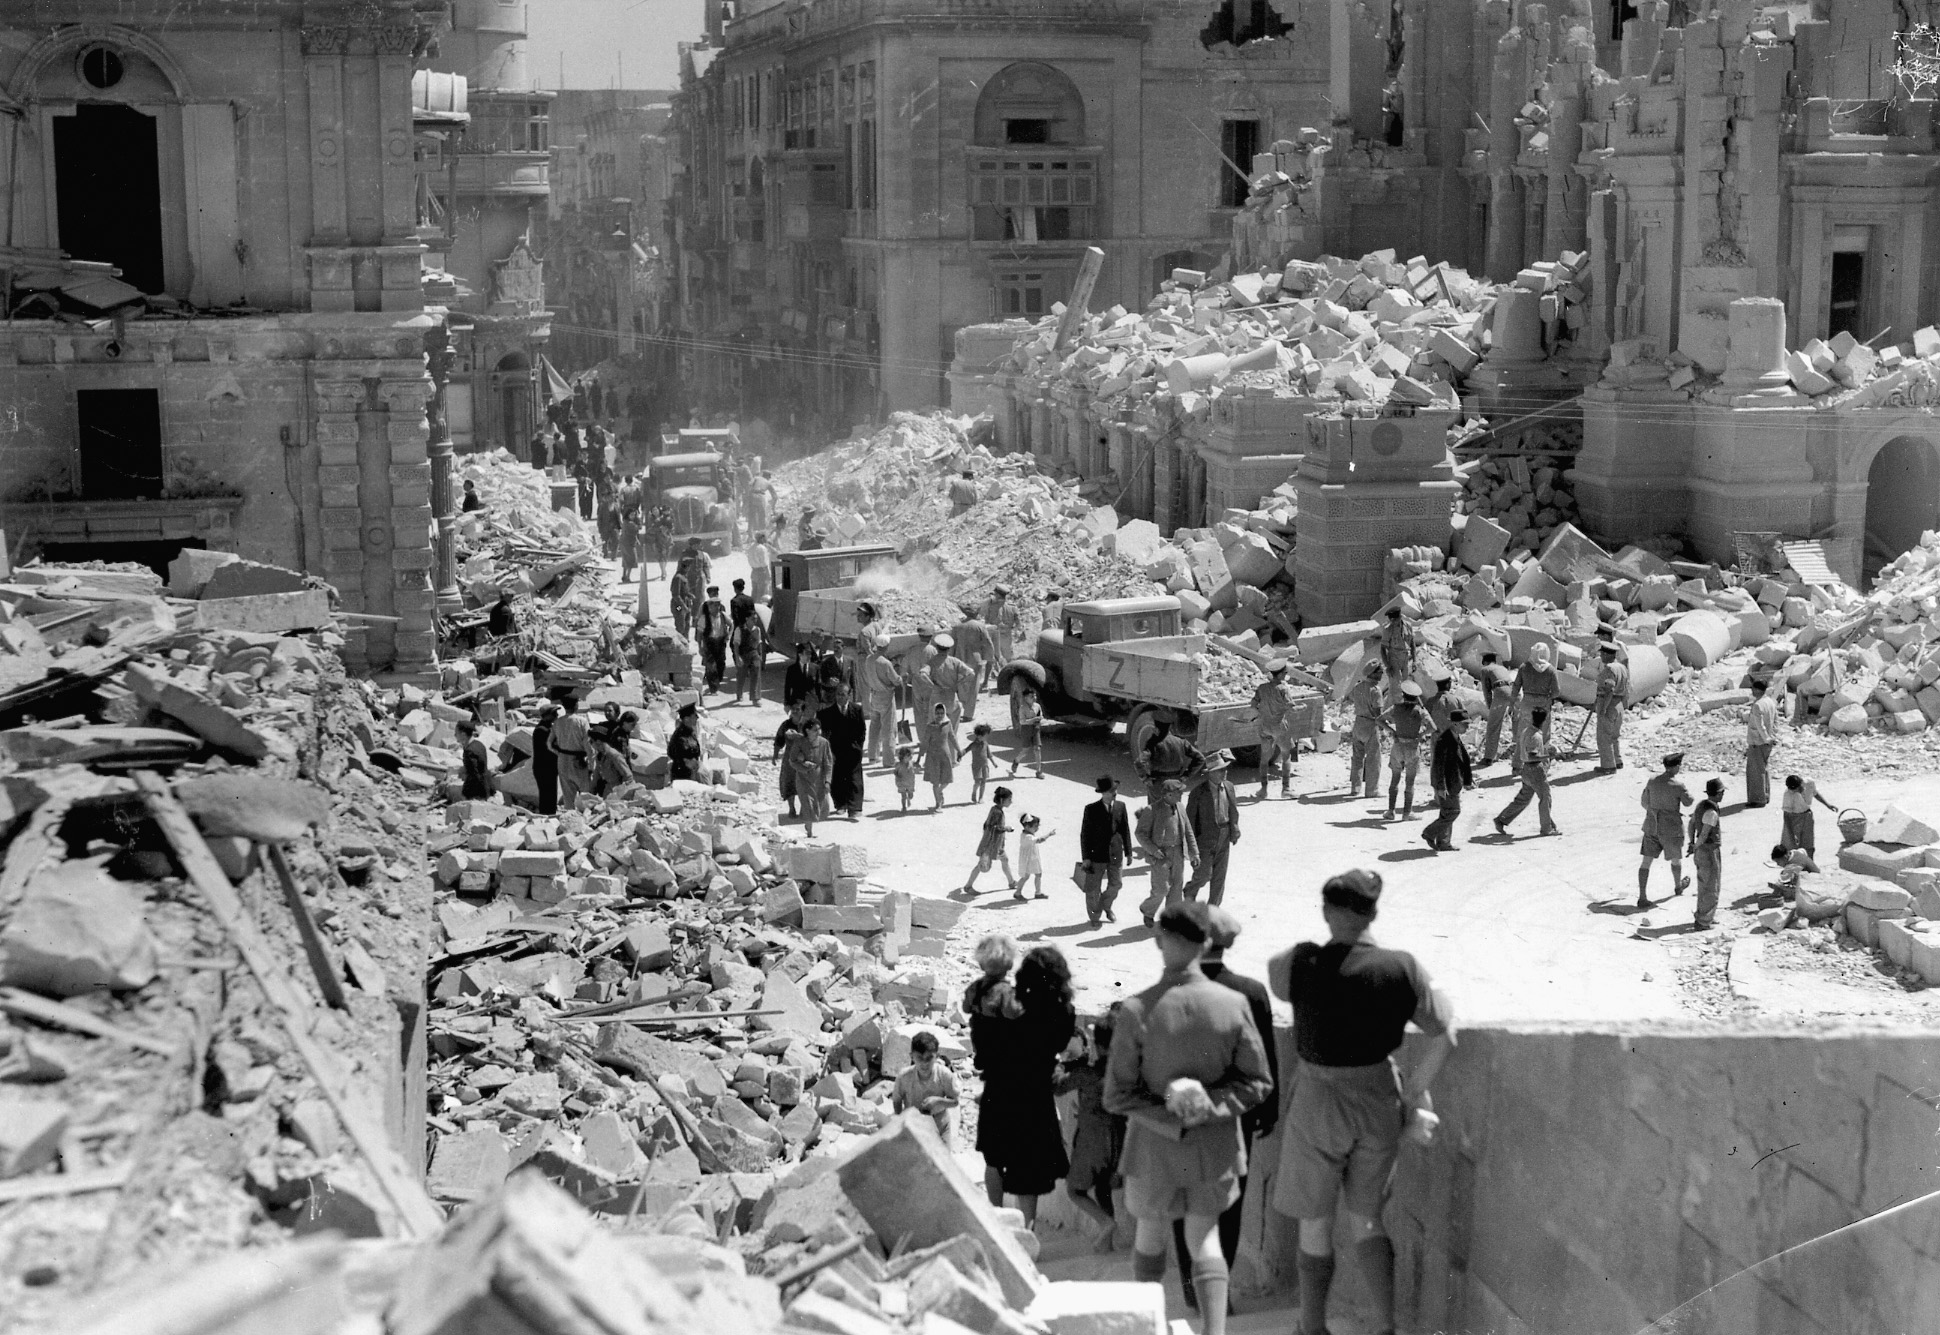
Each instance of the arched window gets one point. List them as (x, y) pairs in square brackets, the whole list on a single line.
[(1030, 103)]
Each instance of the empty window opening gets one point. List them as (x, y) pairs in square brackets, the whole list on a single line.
[(1238, 142), (108, 191), (1848, 296), (1020, 294), (1393, 119), (1621, 12), (120, 433), (1027, 131), (101, 67), (1241, 21)]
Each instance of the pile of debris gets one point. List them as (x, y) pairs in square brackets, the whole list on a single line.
[(210, 912), (1354, 334), (1528, 494)]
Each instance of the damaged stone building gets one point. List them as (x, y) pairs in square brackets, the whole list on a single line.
[(265, 183), (862, 178)]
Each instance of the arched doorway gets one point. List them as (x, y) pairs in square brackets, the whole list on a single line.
[(1902, 500), (513, 379)]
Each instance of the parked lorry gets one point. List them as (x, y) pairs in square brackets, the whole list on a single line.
[(695, 488), (1128, 658), (830, 571)]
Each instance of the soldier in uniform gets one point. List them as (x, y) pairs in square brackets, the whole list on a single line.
[(1612, 693), (1273, 705), (1664, 800)]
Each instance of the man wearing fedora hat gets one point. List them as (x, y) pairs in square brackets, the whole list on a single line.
[(1707, 854), (1213, 813), (1352, 1000), (1104, 839), (1612, 694)]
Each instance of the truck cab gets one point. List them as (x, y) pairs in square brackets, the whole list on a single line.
[(699, 440), (1061, 647), (693, 486), (795, 573)]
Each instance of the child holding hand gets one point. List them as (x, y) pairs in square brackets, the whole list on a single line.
[(1030, 862), (991, 847)]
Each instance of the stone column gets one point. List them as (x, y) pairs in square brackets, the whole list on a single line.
[(444, 509), (335, 404), (412, 598)]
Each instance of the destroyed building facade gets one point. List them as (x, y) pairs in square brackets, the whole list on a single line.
[(860, 180)]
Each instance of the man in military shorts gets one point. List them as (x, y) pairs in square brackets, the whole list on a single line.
[(1352, 1000), (1664, 800)]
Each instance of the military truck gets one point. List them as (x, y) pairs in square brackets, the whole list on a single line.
[(1128, 658), (695, 488), (826, 570)]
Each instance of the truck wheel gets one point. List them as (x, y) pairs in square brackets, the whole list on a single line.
[(1139, 729)]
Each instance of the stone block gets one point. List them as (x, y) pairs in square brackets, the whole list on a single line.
[(190, 571), (248, 579), (1076, 1307), (30, 1133), (817, 863), (77, 930), (648, 946), (1896, 942), (1323, 644), (469, 1165), (1899, 827), (904, 1181), (1481, 542), (782, 903), (1870, 859), (798, 1014), (862, 918), (531, 862), (1885, 899), (940, 914)]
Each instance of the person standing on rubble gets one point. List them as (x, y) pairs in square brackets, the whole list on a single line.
[(1186, 1066), (963, 493), (684, 751), (1257, 1122), (1364, 757), (1213, 813), (1612, 695), (477, 760), (877, 680), (1397, 645), (1664, 799), (714, 640), (1535, 690), (941, 751), (1000, 614), (1761, 736), (545, 762), (1450, 774), (472, 500), (1165, 837), (612, 750), (1351, 1109), (845, 728), (572, 744), (1273, 704)]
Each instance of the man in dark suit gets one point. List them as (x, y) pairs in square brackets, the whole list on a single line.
[(1222, 929), (1104, 838), (1213, 813)]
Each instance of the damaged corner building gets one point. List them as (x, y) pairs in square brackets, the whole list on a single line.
[(216, 258)]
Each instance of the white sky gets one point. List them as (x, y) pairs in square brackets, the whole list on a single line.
[(602, 41)]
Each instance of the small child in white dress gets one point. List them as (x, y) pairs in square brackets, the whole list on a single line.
[(1030, 863)]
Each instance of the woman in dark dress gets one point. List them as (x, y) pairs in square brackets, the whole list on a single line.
[(845, 727), (545, 763), (1017, 1117)]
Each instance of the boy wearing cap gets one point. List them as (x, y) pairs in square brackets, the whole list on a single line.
[(1405, 722), (1104, 838), (1165, 837), (1664, 799), (1352, 1000), (1213, 813), (1707, 854), (1222, 929), (1612, 693), (1450, 775), (1186, 1065)]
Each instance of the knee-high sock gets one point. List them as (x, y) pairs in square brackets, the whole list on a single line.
[(1375, 1257), (1210, 1278), (1316, 1276), (1148, 1267)]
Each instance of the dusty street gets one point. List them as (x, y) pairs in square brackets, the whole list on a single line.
[(1531, 930)]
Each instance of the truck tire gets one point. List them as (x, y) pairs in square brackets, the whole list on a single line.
[(1138, 727)]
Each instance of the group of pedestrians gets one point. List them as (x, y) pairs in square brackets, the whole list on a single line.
[(1175, 1084)]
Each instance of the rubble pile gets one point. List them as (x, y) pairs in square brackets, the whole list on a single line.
[(1837, 372), (210, 910), (1529, 495), (1226, 678), (1357, 334), (885, 487)]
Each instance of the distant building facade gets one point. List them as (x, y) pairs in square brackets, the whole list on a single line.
[(859, 179)]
